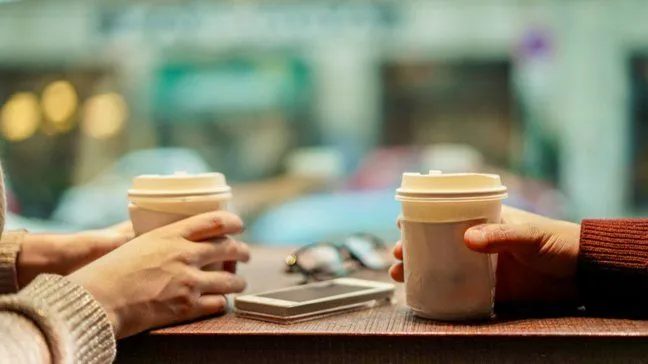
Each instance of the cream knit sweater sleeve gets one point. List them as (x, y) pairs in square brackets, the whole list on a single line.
[(52, 320)]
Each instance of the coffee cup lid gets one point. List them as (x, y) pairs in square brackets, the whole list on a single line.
[(179, 184), (436, 184)]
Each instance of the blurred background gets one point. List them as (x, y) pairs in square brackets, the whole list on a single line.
[(313, 109)]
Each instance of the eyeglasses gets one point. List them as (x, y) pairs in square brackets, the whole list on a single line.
[(328, 260)]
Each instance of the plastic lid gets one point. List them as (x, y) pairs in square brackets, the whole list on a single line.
[(438, 185), (179, 183)]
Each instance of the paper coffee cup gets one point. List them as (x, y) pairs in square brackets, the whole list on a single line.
[(444, 280), (156, 201), (159, 200)]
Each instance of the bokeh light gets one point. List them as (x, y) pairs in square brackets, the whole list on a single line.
[(104, 115), (20, 116), (59, 102)]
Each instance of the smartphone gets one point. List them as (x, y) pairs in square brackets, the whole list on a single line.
[(315, 300)]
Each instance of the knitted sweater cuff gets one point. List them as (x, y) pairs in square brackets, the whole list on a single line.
[(613, 266), (75, 326), (10, 244)]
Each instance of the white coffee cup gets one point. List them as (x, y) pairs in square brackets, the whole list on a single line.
[(159, 200), (444, 280)]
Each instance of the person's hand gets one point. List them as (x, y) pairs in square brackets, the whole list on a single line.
[(64, 253), (537, 257), (157, 278)]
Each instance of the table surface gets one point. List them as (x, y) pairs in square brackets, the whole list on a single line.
[(265, 273), (383, 334)]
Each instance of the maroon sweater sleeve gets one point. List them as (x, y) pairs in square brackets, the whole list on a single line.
[(613, 267)]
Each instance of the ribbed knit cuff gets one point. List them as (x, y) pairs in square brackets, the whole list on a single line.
[(75, 325), (613, 266), (10, 244)]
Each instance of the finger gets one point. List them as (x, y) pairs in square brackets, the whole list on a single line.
[(398, 221), (397, 273), (211, 304), (208, 226), (495, 238), (221, 250), (398, 251), (220, 282)]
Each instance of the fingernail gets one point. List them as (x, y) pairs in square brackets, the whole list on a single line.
[(219, 225), (476, 237)]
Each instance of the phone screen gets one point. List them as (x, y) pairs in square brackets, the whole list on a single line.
[(302, 294)]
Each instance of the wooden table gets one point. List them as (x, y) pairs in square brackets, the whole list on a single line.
[(389, 334)]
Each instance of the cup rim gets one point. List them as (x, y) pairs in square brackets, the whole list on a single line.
[(213, 191), (489, 192)]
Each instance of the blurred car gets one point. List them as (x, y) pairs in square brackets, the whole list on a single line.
[(366, 202), (328, 217), (104, 200)]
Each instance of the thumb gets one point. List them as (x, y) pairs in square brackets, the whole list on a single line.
[(511, 238)]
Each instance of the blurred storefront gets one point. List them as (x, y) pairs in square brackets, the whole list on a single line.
[(243, 114), (538, 89)]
